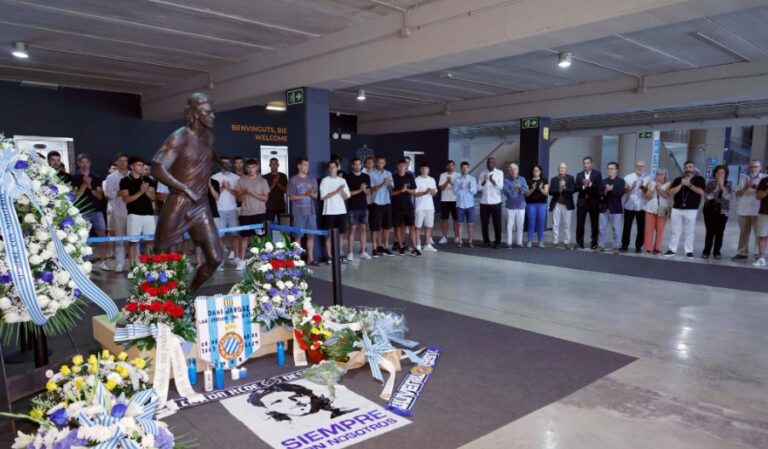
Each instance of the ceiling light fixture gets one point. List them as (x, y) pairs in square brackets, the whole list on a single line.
[(564, 59), (276, 106), (20, 50), (361, 94)]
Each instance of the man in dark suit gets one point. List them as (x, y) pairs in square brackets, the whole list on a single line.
[(588, 202), (561, 189)]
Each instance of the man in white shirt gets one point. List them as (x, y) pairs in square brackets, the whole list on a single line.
[(426, 188), (448, 202), (119, 217), (491, 182), (636, 183), (747, 208), (227, 203), (333, 192)]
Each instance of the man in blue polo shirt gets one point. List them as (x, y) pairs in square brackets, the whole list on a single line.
[(381, 221)]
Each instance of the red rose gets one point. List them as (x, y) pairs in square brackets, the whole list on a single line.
[(143, 258), (146, 285), (304, 312), (131, 307), (177, 311), (155, 306), (172, 284), (316, 356), (144, 307), (175, 257), (317, 319), (152, 291), (168, 306), (156, 258)]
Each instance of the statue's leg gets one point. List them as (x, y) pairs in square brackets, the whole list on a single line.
[(171, 223), (204, 233)]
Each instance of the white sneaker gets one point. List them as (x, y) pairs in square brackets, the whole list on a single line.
[(457, 240), (430, 248), (103, 266), (418, 246), (350, 257), (443, 241), (363, 256), (240, 265), (118, 268), (221, 267), (231, 255), (759, 263)]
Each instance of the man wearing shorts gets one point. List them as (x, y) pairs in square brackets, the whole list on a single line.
[(333, 192), (138, 192), (465, 188), (227, 203), (253, 192), (402, 207), (381, 220), (88, 188), (448, 202), (357, 207), (302, 191), (426, 188), (761, 193), (119, 218)]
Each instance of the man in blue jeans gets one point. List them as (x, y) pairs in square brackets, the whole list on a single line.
[(465, 188), (88, 189), (302, 191)]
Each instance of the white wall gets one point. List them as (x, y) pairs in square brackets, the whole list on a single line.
[(476, 150), (572, 150)]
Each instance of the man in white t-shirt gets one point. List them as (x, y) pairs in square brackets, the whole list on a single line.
[(747, 207), (426, 188), (448, 202), (119, 218), (227, 203), (333, 192), (635, 185)]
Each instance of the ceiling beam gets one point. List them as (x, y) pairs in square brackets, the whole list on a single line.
[(656, 50), (78, 74)]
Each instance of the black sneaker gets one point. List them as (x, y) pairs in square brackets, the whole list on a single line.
[(594, 246), (624, 249), (386, 252), (329, 261), (669, 253), (402, 251), (688, 254), (638, 250), (343, 259), (395, 247), (414, 252), (739, 257), (486, 245), (375, 253)]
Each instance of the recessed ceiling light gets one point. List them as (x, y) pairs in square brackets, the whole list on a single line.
[(20, 50), (361, 94), (564, 59)]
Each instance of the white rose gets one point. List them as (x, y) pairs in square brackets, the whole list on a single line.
[(1, 245), (64, 188), (277, 299), (43, 236), (280, 245), (290, 298), (85, 268), (254, 251), (53, 306), (266, 286), (73, 211), (71, 284), (46, 255), (86, 250), (48, 374), (36, 185), (57, 293), (30, 218), (11, 317), (23, 200), (73, 238), (83, 233), (289, 284), (35, 260), (269, 247), (280, 285), (62, 277), (264, 299), (50, 247), (43, 301), (5, 303), (69, 248), (299, 263), (303, 285), (43, 201), (61, 234), (148, 441), (34, 248)]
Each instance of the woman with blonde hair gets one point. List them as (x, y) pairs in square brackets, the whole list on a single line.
[(657, 211)]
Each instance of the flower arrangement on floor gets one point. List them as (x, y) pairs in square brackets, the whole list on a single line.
[(277, 277), (50, 201), (160, 295), (72, 382), (92, 416)]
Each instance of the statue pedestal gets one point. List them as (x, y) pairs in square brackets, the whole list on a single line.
[(104, 333)]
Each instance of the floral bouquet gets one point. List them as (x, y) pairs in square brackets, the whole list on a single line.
[(277, 277), (73, 382), (97, 418), (310, 333), (160, 295), (51, 200)]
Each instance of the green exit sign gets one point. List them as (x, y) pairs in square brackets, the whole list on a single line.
[(645, 135), (294, 96), (532, 122)]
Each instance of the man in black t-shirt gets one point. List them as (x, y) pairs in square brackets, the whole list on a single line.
[(278, 184), (357, 206), (687, 191), (91, 200), (54, 160), (402, 207), (138, 192)]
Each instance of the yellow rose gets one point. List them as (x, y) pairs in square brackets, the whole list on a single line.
[(92, 359), (111, 384), (122, 356), (105, 354), (139, 363), (65, 370), (79, 383), (122, 371), (93, 369), (77, 360), (36, 413), (50, 386)]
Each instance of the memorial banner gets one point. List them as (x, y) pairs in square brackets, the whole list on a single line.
[(300, 414), (225, 332)]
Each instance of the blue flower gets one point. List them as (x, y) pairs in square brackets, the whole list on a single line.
[(163, 439), (267, 307), (163, 278), (71, 196), (118, 410), (67, 223), (150, 278), (272, 291), (54, 189), (6, 278), (21, 165), (47, 277), (76, 293), (267, 276), (70, 440), (59, 417)]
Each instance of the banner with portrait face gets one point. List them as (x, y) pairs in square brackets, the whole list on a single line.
[(302, 415)]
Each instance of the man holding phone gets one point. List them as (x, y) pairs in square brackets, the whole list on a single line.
[(687, 191)]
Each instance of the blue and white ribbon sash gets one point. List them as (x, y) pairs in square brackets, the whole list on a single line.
[(135, 331), (13, 183), (404, 398)]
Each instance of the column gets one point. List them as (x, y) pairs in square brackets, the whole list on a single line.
[(534, 144)]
